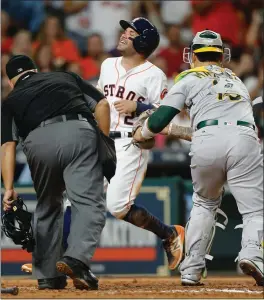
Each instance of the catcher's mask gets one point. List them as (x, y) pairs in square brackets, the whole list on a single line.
[(23, 234), (206, 41)]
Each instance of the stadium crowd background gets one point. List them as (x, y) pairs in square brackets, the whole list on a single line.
[(78, 35)]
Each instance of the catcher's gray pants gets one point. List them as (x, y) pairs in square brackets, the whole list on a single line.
[(64, 155), (222, 154)]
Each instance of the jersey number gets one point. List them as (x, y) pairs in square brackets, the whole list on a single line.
[(129, 119), (231, 97)]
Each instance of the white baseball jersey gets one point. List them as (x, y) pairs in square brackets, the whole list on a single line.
[(145, 83)]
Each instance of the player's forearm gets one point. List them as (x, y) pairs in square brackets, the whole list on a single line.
[(179, 132), (102, 116), (158, 121), (8, 162), (161, 118)]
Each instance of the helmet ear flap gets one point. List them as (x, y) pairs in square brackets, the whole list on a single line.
[(140, 44)]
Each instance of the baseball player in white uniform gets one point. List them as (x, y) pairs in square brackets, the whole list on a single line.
[(225, 148), (132, 85)]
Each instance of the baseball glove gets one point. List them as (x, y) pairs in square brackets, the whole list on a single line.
[(150, 143)]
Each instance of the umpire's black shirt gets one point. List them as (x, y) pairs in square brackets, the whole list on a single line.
[(37, 97)]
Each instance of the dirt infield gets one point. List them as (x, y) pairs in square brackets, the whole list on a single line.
[(137, 287)]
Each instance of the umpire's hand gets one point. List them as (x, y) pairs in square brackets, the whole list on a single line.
[(9, 197)]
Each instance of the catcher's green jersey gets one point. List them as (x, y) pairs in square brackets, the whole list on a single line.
[(210, 92)]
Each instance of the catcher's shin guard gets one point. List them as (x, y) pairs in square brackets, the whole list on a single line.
[(198, 242)]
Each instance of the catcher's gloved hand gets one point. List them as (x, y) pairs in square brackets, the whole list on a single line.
[(148, 144)]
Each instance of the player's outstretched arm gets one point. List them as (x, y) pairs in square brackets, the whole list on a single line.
[(177, 131)]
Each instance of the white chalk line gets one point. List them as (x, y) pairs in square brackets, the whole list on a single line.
[(215, 291), (202, 290)]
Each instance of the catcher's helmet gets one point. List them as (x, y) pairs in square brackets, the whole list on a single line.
[(148, 39), (206, 41)]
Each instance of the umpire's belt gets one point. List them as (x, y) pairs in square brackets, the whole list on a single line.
[(205, 123), (63, 118), (119, 134)]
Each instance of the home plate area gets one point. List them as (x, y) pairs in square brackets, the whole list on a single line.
[(143, 287)]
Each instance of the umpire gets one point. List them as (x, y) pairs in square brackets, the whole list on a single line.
[(60, 140)]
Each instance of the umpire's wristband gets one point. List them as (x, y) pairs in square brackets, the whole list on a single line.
[(145, 132)]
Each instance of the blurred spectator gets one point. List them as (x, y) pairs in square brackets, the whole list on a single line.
[(114, 52), (52, 33), (55, 7), (44, 59), (176, 12), (149, 9), (91, 63), (242, 67), (173, 53), (161, 63), (22, 43), (253, 36), (255, 84), (27, 14), (95, 48), (105, 16), (78, 21), (219, 16), (74, 67), (6, 41)]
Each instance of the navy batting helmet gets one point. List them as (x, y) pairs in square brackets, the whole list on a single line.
[(148, 39)]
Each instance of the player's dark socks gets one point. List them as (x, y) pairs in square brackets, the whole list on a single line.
[(66, 226), (142, 218)]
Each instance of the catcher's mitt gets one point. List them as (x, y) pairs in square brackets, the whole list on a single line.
[(148, 144)]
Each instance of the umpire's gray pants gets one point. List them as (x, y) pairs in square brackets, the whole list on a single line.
[(65, 155), (223, 154)]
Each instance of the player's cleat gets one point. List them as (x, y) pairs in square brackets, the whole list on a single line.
[(191, 280), (27, 268), (254, 269), (82, 276), (174, 247)]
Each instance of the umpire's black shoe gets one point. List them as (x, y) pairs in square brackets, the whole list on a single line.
[(57, 283), (83, 278)]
